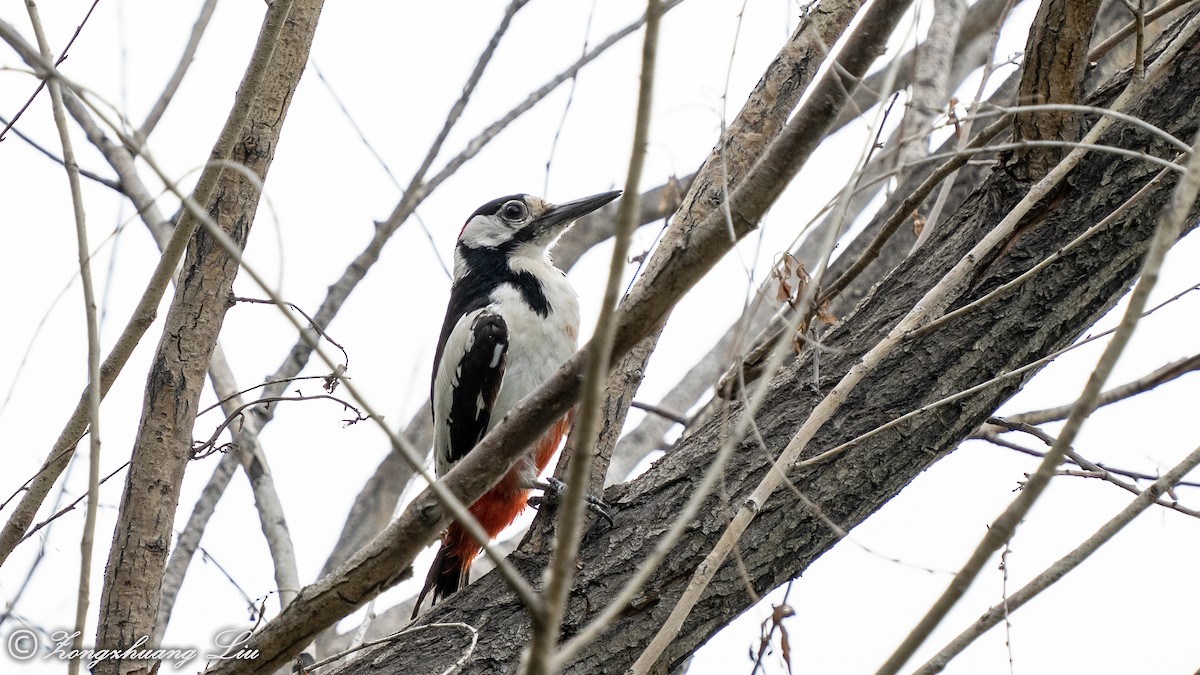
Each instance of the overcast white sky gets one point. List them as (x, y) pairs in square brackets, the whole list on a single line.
[(398, 67)]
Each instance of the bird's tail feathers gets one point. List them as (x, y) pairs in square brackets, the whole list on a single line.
[(451, 568)]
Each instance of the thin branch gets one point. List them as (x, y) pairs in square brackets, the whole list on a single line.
[(387, 170), (147, 306), (91, 175), (1061, 567), (312, 325), (1166, 233), (203, 449), (964, 133), (902, 212), (569, 527), (405, 633), (562, 121), (71, 507), (1088, 468), (87, 539), (1111, 218), (1130, 28), (230, 396), (41, 85), (971, 391), (671, 415), (1141, 385), (185, 62)]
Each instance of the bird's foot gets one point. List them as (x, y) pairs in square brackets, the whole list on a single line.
[(553, 489)]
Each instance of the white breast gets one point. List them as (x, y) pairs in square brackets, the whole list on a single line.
[(537, 345)]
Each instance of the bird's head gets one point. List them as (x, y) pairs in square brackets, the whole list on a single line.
[(524, 224)]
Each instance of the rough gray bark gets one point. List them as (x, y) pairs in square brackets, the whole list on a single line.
[(1025, 323), (132, 586), (1056, 58), (759, 122)]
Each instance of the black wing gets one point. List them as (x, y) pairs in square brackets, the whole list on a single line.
[(479, 374)]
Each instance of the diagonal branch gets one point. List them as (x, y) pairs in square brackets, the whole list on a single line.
[(1169, 227), (162, 447), (1062, 566)]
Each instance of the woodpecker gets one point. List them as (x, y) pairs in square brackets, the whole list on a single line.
[(513, 319)]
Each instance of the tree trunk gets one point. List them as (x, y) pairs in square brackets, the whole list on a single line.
[(1024, 324), (132, 581)]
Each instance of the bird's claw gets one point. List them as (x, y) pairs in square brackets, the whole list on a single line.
[(553, 489)]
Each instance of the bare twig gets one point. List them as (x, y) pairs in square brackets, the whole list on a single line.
[(1141, 385), (670, 415), (185, 61), (1165, 235), (1087, 468), (1033, 271), (91, 175), (61, 57), (1130, 28), (87, 539), (205, 448), (964, 133), (71, 507), (405, 633), (569, 526), (970, 391), (902, 212), (562, 121), (1064, 565), (146, 309), (312, 325)]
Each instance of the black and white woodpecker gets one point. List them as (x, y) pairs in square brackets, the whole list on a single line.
[(513, 319)]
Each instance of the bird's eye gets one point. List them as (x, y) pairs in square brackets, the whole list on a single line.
[(513, 211)]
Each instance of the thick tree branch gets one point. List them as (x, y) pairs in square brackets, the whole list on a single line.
[(1033, 320), (1056, 59), (130, 600)]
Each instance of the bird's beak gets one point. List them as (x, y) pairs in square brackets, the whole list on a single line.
[(558, 217)]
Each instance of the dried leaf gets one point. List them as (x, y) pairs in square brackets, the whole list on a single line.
[(824, 316), (918, 223), (785, 648), (778, 614), (672, 195), (952, 114), (783, 292)]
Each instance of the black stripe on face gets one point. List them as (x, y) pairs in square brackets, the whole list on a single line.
[(493, 207), (488, 269), (480, 373)]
